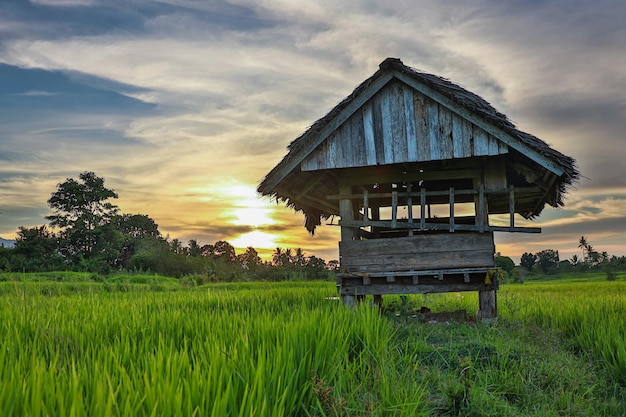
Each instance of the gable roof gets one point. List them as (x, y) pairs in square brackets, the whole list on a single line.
[(280, 181)]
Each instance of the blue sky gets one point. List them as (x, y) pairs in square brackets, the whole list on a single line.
[(183, 106)]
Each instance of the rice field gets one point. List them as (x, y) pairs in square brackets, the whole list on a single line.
[(285, 349)]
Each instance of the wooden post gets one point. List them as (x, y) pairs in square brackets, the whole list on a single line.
[(511, 207), (422, 208), (451, 218), (394, 209), (346, 212), (409, 205), (487, 305)]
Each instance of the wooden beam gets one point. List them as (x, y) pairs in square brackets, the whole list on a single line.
[(386, 224)]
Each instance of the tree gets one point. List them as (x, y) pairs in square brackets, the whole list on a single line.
[(37, 249), (224, 250), (195, 249), (278, 257), (134, 228), (527, 261), (83, 213), (548, 260), (505, 263), (250, 259), (582, 244), (298, 258)]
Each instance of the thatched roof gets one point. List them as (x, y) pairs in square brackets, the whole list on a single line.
[(305, 190)]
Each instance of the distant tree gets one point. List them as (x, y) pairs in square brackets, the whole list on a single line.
[(137, 225), (298, 258), (225, 251), (83, 214), (505, 263), (333, 265), (593, 257), (37, 249), (250, 259), (528, 260), (604, 257), (176, 246), (134, 228), (548, 260), (194, 248), (582, 244), (278, 257)]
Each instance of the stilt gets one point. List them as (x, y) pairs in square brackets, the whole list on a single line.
[(487, 306)]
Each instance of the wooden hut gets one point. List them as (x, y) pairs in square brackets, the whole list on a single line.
[(414, 166)]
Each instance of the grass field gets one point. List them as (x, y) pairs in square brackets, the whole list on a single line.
[(149, 346)]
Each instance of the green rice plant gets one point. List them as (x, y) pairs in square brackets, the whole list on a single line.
[(591, 314), (222, 351)]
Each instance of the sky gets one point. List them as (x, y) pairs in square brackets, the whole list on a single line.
[(183, 106)]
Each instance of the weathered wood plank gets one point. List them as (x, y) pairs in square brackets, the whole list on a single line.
[(481, 144), (394, 288), (331, 151), (493, 145), (398, 123), (385, 112), (340, 148), (420, 107), (433, 129), (322, 150), (461, 136), (446, 145), (420, 252), (368, 133), (357, 138), (310, 162), (409, 117), (378, 129)]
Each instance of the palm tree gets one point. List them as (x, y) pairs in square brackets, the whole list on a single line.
[(277, 257), (582, 244), (299, 258)]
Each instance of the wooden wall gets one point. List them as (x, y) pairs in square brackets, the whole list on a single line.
[(401, 125), (419, 252)]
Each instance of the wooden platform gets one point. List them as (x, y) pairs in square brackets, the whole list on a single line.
[(419, 282), (420, 264)]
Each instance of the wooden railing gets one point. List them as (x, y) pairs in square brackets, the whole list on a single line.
[(424, 224)]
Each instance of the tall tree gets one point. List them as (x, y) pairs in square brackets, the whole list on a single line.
[(83, 214), (582, 244), (528, 260), (548, 260)]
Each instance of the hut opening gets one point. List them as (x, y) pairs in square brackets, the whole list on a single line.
[(416, 167)]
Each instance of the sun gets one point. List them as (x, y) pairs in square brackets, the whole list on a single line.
[(247, 208), (252, 216), (256, 239)]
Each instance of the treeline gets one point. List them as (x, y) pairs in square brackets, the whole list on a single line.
[(87, 233), (548, 262)]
